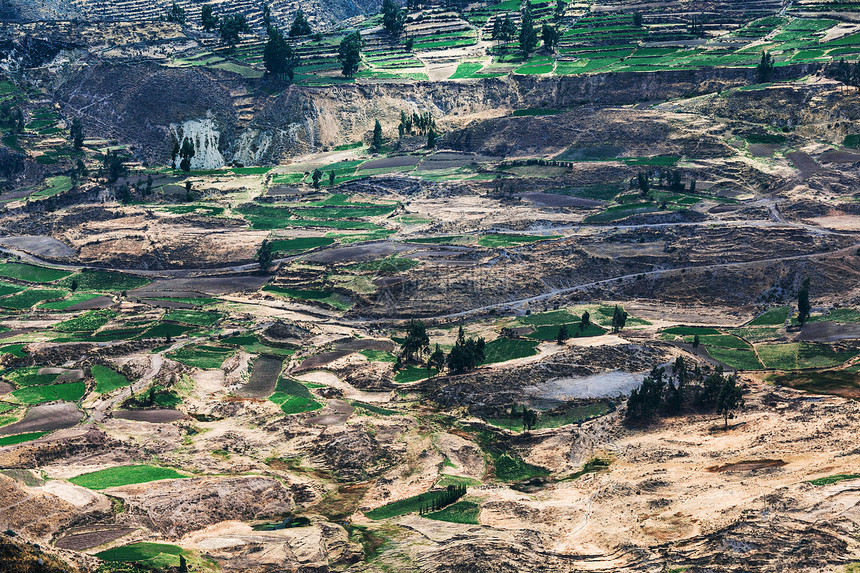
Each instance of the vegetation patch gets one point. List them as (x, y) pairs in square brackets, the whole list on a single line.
[(372, 408), (792, 356), (504, 349), (293, 397), (29, 376), (833, 479), (21, 438), (299, 245), (460, 512), (201, 356), (774, 316), (89, 321), (76, 298), (31, 273), (30, 297), (195, 317), (413, 374), (153, 556), (107, 281), (503, 240), (124, 475), (551, 332), (835, 382), (691, 330), (328, 298), (70, 392), (165, 330), (736, 358), (108, 379), (412, 504)]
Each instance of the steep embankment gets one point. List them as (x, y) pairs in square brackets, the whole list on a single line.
[(162, 105)]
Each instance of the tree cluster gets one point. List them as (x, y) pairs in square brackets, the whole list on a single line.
[(764, 69), (265, 256), (504, 30), (697, 26), (671, 179), (208, 18), (393, 17), (619, 318), (114, 168), (662, 394), (231, 27), (349, 53), (466, 354), (278, 55), (550, 36), (442, 499), (416, 123), (301, 26), (845, 72), (176, 14)]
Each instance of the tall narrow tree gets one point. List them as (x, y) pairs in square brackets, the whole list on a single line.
[(278, 55), (528, 35), (300, 26), (349, 53)]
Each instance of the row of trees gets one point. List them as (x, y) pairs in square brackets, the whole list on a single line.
[(661, 394), (466, 354), (666, 178), (442, 499)]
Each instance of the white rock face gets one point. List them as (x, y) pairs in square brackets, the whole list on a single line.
[(252, 145), (205, 137)]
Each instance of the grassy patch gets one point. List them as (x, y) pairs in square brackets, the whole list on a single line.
[(165, 329), (413, 374), (774, 316), (511, 468), (736, 358), (16, 350), (89, 321), (378, 356), (20, 438), (252, 345), (201, 356), (502, 240), (550, 332), (70, 392), (29, 376), (724, 341), (154, 556), (833, 479), (796, 355), (554, 317), (300, 244), (460, 512), (103, 281), (504, 349), (29, 298), (536, 111), (195, 317), (76, 298), (691, 330), (365, 407), (108, 379), (31, 273), (293, 397), (124, 475), (402, 507), (329, 298), (6, 288), (836, 382)]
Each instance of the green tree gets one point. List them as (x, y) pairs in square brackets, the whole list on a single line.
[(176, 14), (431, 138), (550, 36), (643, 181), (507, 29), (637, 19), (114, 167), (528, 35), (316, 178), (530, 419), (466, 354), (349, 53), (278, 55), (729, 399), (331, 178), (186, 152), (393, 17), (695, 341), (300, 26), (803, 306), (645, 402), (267, 15), (183, 566), (585, 321), (265, 256), (764, 70), (437, 359), (231, 27), (82, 170), (416, 341), (693, 185), (76, 133), (208, 18), (562, 334), (376, 142), (619, 318)]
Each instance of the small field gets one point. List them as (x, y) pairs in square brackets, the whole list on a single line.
[(124, 475), (70, 392), (459, 512), (293, 397), (504, 349), (108, 379), (31, 273), (201, 356)]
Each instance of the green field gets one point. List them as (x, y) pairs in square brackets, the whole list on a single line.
[(552, 317), (155, 556), (124, 475), (459, 512), (550, 332), (201, 356), (503, 240), (373, 409), (108, 379), (29, 376), (722, 340), (504, 349), (293, 397), (6, 288), (736, 358), (332, 299), (378, 356), (510, 468), (31, 273), (165, 329), (572, 415), (89, 321), (69, 392), (691, 330), (251, 344), (103, 281), (194, 317), (796, 355), (299, 245), (774, 316), (833, 479), (402, 507), (16, 350), (76, 298), (413, 374), (28, 298), (20, 438)]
